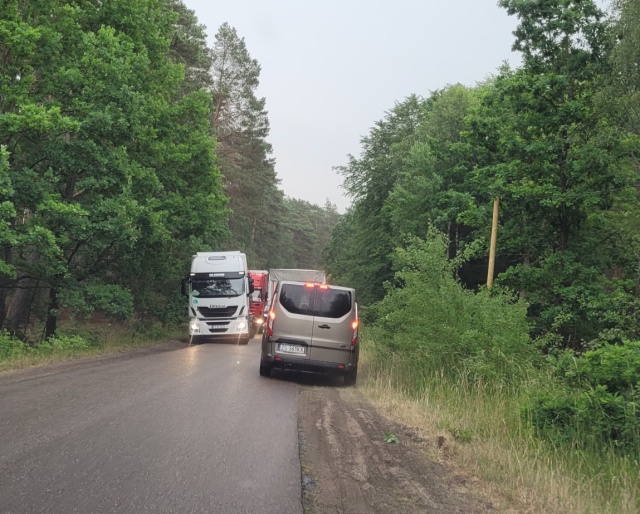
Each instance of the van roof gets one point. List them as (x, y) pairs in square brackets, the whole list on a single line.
[(324, 284)]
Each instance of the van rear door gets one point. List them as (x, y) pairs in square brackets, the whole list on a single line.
[(334, 313), (293, 322)]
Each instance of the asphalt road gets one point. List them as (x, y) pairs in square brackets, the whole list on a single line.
[(174, 429)]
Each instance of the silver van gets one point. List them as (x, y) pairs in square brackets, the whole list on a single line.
[(312, 327)]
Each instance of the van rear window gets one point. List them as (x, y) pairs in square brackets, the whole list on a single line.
[(296, 299), (332, 303), (325, 303)]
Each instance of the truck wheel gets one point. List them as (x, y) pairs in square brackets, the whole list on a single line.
[(351, 377), (265, 369)]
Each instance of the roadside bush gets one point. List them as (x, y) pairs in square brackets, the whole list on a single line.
[(446, 328), (62, 343), (150, 328), (11, 347), (595, 401), (174, 311), (113, 300)]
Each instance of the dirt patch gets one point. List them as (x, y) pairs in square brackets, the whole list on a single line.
[(351, 462)]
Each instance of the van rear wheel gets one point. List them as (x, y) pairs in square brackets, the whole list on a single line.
[(351, 377), (265, 369)]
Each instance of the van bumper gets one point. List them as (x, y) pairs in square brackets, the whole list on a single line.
[(308, 365)]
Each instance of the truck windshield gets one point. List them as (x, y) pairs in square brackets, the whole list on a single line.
[(217, 287), (256, 295)]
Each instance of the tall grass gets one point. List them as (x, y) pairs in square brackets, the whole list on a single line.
[(488, 437), (77, 340)]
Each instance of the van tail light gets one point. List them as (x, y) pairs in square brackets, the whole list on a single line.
[(272, 316), (354, 334)]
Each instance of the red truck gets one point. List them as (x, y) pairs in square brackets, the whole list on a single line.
[(259, 297)]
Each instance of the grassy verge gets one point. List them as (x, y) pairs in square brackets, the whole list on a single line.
[(481, 432), (80, 340)]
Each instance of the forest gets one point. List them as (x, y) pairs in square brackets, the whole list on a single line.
[(557, 142), (126, 145)]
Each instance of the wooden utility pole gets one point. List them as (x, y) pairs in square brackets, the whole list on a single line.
[(494, 240)]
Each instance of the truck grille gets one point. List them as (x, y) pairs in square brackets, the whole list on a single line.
[(218, 327), (225, 312)]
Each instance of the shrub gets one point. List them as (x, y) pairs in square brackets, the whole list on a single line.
[(432, 317), (595, 400), (62, 343), (173, 310), (11, 347)]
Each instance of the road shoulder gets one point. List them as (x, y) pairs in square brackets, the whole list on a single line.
[(348, 465)]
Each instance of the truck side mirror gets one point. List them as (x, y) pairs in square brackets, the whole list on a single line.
[(251, 287), (183, 287)]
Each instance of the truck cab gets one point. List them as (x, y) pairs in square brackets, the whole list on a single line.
[(218, 289), (258, 299)]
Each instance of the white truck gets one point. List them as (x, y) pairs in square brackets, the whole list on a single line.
[(218, 288)]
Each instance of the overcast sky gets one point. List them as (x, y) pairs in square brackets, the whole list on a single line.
[(331, 68)]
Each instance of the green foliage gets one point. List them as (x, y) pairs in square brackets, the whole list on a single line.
[(60, 344), (7, 211), (595, 400), (189, 47), (556, 159), (445, 328), (359, 253), (557, 140), (109, 199), (272, 230), (389, 437), (113, 300), (14, 348), (570, 296), (172, 313), (434, 189)]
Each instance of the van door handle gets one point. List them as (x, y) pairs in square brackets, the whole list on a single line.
[(324, 326)]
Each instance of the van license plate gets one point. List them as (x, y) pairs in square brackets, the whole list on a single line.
[(290, 348)]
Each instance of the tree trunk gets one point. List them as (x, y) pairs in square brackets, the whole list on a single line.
[(20, 305), (4, 289), (452, 248), (3, 306), (52, 314), (526, 262), (19, 308)]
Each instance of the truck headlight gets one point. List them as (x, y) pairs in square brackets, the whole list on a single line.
[(195, 327), (242, 325)]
